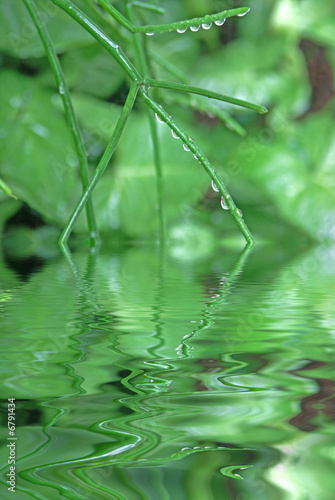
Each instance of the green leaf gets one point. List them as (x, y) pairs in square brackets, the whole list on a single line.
[(38, 159), (19, 37)]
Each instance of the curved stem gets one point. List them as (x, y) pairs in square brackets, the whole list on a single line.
[(113, 48), (189, 142), (69, 112), (128, 106), (197, 21)]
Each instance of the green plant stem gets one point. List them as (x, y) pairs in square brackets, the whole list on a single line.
[(188, 23), (113, 48), (142, 89), (128, 106), (142, 57), (117, 15), (204, 106), (206, 93), (189, 142), (69, 112)]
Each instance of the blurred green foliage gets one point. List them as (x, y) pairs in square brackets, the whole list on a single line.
[(281, 55)]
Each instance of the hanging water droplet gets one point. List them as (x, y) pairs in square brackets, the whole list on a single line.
[(243, 14), (195, 28), (214, 187), (158, 118), (195, 156), (186, 147), (220, 22), (174, 135), (181, 30), (150, 34), (224, 204), (207, 26), (239, 213)]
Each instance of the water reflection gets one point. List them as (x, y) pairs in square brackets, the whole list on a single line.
[(144, 375)]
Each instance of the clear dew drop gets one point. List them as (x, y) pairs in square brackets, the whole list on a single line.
[(174, 135), (195, 28), (158, 118), (181, 30), (239, 213), (206, 26), (186, 148), (214, 187), (243, 14), (220, 22), (195, 156), (224, 204), (150, 34)]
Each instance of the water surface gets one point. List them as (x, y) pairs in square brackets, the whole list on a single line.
[(149, 375)]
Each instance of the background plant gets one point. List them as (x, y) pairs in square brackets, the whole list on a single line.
[(280, 174)]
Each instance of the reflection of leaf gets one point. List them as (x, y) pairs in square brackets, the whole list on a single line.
[(231, 471)]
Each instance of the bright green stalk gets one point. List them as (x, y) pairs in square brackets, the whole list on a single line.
[(192, 23), (128, 106), (189, 142), (178, 25), (113, 48), (69, 112), (206, 93), (204, 106), (117, 15), (142, 56), (142, 88)]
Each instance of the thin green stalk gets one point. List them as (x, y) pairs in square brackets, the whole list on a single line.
[(142, 57), (205, 22), (204, 106), (190, 144), (69, 112), (206, 93), (142, 88), (128, 106), (117, 15), (113, 48)]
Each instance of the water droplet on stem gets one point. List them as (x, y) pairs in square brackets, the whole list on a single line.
[(206, 26), (181, 30), (158, 118), (174, 134), (224, 204), (220, 22), (195, 28), (186, 148), (214, 187), (150, 34)]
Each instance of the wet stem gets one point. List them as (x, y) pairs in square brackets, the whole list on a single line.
[(141, 85)]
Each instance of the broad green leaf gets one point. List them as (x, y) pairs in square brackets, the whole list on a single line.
[(37, 155), (19, 37)]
